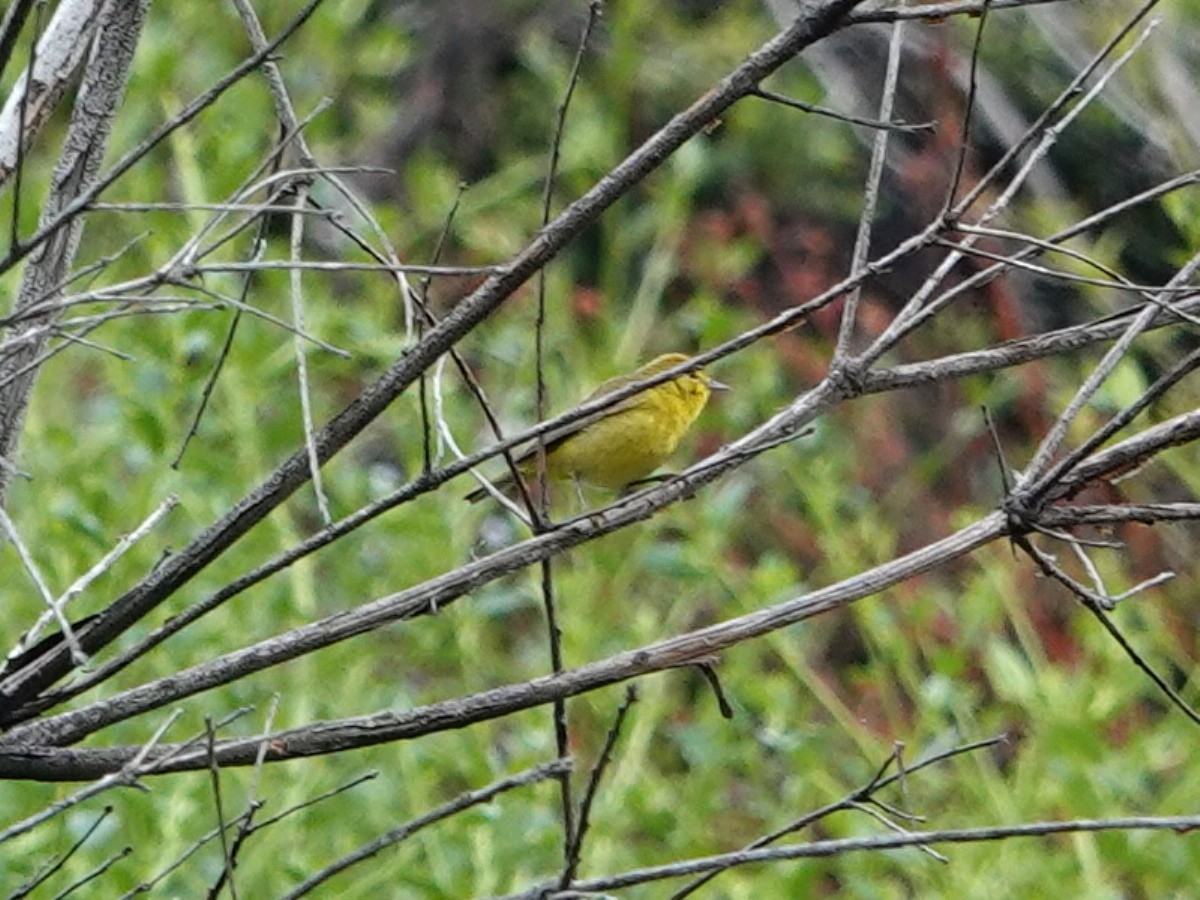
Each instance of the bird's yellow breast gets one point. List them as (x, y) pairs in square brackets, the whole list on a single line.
[(633, 442)]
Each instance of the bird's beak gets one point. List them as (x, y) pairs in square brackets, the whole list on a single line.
[(714, 385)]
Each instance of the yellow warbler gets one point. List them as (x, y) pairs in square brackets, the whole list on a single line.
[(627, 441)]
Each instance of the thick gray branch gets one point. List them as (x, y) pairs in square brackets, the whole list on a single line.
[(91, 122), (60, 50)]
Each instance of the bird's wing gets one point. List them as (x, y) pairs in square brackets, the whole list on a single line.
[(556, 436)]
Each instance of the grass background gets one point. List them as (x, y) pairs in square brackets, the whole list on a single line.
[(740, 223)]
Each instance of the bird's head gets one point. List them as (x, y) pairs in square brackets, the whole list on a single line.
[(695, 387)]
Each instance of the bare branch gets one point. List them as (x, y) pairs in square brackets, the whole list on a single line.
[(60, 50), (873, 843), (465, 801)]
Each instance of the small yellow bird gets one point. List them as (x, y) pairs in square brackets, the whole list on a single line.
[(628, 441)]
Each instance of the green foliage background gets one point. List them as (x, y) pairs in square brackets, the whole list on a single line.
[(722, 235)]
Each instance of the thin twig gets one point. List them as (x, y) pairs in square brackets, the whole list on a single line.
[(575, 850), (297, 293), (251, 828), (214, 774), (445, 811), (936, 12), (82, 583), (1097, 604), (871, 843), (94, 874), (708, 670), (964, 143), (917, 310), (886, 821), (1161, 385), (126, 775), (35, 575), (1058, 431), (318, 265), (862, 238), (888, 125), (865, 793), (41, 877), (426, 281), (10, 29)]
